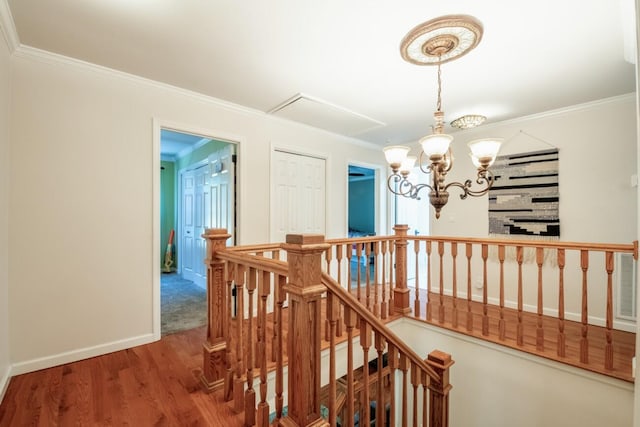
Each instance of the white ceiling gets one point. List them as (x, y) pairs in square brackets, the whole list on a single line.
[(535, 56)]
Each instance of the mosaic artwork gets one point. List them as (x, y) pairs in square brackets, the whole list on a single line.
[(524, 198)]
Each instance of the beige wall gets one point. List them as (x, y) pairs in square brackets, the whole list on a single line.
[(499, 387), (5, 95), (81, 273), (597, 149)]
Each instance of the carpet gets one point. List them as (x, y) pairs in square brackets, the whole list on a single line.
[(183, 304)]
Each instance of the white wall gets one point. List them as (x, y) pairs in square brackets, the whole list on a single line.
[(5, 93), (495, 386), (597, 149), (81, 200)]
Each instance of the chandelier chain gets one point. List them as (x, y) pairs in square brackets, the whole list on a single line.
[(439, 105)]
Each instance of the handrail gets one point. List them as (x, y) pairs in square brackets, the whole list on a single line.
[(267, 264), (350, 301)]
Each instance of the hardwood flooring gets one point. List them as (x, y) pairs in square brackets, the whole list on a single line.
[(150, 385)]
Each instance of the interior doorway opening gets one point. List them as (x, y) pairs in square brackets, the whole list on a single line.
[(362, 201), (197, 191)]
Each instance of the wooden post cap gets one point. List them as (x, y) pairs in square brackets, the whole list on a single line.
[(304, 239)]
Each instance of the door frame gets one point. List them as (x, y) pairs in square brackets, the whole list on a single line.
[(156, 246)]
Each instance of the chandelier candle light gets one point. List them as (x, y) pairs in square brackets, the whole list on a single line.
[(433, 43)]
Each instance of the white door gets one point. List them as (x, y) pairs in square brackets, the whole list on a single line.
[(299, 189), (222, 206), (187, 227), (195, 218)]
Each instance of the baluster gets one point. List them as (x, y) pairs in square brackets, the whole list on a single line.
[(380, 345), (584, 341), (250, 394), (485, 285), (404, 367), (384, 308), (454, 290), (502, 329), (327, 257), (392, 276), (520, 330), (469, 253), (441, 293), (429, 306), (349, 254), (416, 302), (392, 359), (561, 337), (340, 322), (415, 382), (238, 383), (228, 380), (367, 275), (276, 295), (264, 289), (425, 395), (365, 343), (280, 295), (358, 274), (350, 322), (376, 282), (608, 349), (539, 329), (332, 315)]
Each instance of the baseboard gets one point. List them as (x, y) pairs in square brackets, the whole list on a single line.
[(79, 354), (4, 382)]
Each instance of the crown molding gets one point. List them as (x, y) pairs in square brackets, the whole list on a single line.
[(32, 53), (553, 113), (8, 27)]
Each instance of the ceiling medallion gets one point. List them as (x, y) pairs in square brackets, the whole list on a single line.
[(468, 121), (441, 39)]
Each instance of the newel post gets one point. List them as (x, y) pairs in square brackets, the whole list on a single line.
[(214, 368), (304, 290), (439, 389), (400, 291)]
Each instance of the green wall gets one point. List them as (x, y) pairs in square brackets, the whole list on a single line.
[(167, 206), (362, 205)]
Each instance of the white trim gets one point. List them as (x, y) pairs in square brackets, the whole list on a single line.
[(218, 135), (8, 27), (4, 382), (79, 354)]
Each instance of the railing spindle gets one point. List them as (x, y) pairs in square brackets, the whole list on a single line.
[(384, 307), (561, 351), (584, 330), (404, 367), (365, 343), (340, 322), (250, 394), (264, 289), (392, 358), (368, 274), (429, 305), (380, 345), (332, 316), (539, 329), (392, 276), (350, 322), (358, 274), (502, 328), (608, 349), (280, 295), (485, 285), (238, 384), (416, 302), (376, 281), (441, 291), (520, 329), (228, 379), (454, 290), (469, 253), (415, 382)]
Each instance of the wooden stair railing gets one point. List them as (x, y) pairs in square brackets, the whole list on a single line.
[(238, 360)]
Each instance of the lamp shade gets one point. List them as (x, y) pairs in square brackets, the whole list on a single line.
[(485, 150), (395, 154), (436, 144), (408, 164)]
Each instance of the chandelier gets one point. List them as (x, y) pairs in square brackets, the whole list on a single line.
[(433, 43)]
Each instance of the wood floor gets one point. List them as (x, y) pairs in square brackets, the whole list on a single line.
[(158, 384), (150, 385)]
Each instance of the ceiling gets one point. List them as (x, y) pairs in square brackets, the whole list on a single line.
[(342, 58)]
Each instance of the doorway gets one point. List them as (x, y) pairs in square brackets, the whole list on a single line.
[(197, 191)]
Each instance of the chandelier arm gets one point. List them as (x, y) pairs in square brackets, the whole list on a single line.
[(485, 177), (404, 187), (421, 164)]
